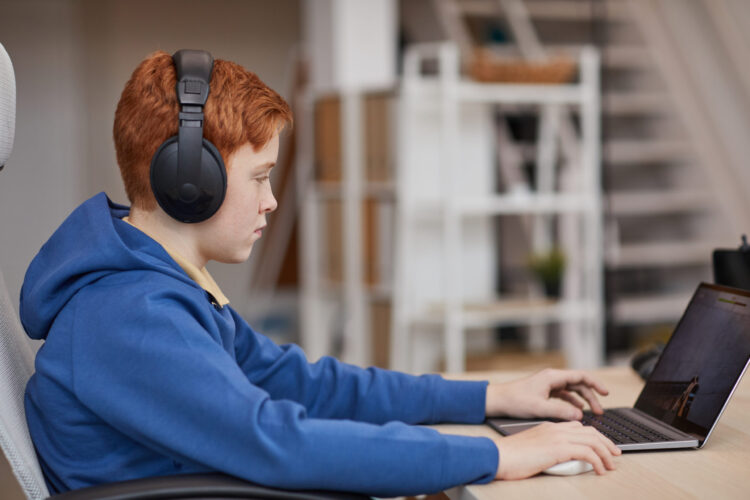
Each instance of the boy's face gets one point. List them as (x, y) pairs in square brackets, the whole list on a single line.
[(229, 235)]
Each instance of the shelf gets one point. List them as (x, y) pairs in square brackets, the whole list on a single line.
[(469, 91), (511, 204), (540, 94), (335, 190), (512, 311), (372, 292)]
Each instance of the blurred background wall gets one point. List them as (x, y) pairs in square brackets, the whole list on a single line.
[(72, 59), (675, 117)]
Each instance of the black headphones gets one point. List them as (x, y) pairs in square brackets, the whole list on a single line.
[(188, 176)]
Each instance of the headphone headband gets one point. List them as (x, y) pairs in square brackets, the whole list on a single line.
[(188, 176), (194, 68), (193, 75)]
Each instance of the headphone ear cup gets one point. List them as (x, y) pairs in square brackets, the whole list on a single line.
[(167, 191)]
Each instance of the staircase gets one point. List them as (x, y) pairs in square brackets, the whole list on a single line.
[(665, 210), (665, 214)]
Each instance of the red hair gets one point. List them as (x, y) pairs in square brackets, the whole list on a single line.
[(240, 109)]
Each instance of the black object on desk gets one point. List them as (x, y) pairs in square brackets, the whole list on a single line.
[(732, 267)]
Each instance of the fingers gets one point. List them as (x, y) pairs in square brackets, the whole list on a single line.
[(556, 408), (579, 382), (567, 396), (599, 450), (612, 447), (589, 396), (564, 378), (580, 452), (536, 449)]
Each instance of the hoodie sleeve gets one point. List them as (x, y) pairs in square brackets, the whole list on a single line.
[(331, 389), (147, 366)]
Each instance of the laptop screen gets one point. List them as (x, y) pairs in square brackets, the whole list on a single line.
[(702, 362)]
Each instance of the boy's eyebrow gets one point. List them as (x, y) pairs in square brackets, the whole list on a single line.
[(266, 166)]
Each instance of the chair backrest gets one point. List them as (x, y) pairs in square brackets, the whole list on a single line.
[(16, 367), (16, 356)]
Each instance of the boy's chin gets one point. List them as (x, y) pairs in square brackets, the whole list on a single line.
[(235, 258)]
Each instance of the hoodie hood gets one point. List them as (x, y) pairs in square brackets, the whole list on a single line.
[(93, 242)]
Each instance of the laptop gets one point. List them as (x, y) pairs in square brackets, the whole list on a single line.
[(691, 384)]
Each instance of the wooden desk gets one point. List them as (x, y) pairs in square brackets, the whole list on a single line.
[(720, 470)]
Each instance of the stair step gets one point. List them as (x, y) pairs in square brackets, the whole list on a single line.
[(572, 10), (628, 151), (479, 8), (658, 202), (626, 57), (614, 56), (651, 308), (552, 10), (660, 254), (635, 103)]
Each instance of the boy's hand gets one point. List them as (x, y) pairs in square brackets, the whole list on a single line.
[(548, 393), (533, 450)]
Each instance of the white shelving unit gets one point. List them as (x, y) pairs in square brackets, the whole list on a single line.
[(577, 204), (460, 220)]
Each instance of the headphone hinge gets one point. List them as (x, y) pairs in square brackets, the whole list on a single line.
[(191, 119), (192, 92)]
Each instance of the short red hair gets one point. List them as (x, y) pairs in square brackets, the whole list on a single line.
[(240, 109)]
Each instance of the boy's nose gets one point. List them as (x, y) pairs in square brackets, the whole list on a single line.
[(270, 204)]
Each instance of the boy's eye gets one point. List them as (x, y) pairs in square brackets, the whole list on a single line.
[(263, 179)]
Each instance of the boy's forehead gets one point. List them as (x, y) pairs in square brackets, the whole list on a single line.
[(268, 153), (263, 158)]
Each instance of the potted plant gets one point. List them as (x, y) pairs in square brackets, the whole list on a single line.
[(548, 267)]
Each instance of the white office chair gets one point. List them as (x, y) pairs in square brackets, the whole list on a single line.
[(17, 366), (16, 357)]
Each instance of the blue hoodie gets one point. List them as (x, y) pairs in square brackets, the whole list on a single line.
[(142, 375)]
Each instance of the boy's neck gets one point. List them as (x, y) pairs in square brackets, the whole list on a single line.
[(168, 232)]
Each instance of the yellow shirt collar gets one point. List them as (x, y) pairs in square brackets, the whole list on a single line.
[(200, 276)]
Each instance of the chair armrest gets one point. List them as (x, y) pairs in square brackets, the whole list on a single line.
[(196, 486)]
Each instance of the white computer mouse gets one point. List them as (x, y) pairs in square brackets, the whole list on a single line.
[(569, 468)]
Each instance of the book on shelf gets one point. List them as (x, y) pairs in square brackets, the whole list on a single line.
[(328, 139), (386, 243), (377, 241), (378, 144), (370, 241), (333, 230), (380, 332)]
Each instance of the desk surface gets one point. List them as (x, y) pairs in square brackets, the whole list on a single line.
[(720, 470)]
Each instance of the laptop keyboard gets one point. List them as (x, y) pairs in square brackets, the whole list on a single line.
[(622, 429)]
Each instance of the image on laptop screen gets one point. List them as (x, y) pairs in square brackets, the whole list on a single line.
[(702, 362)]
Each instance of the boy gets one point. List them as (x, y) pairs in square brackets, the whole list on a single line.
[(146, 369)]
